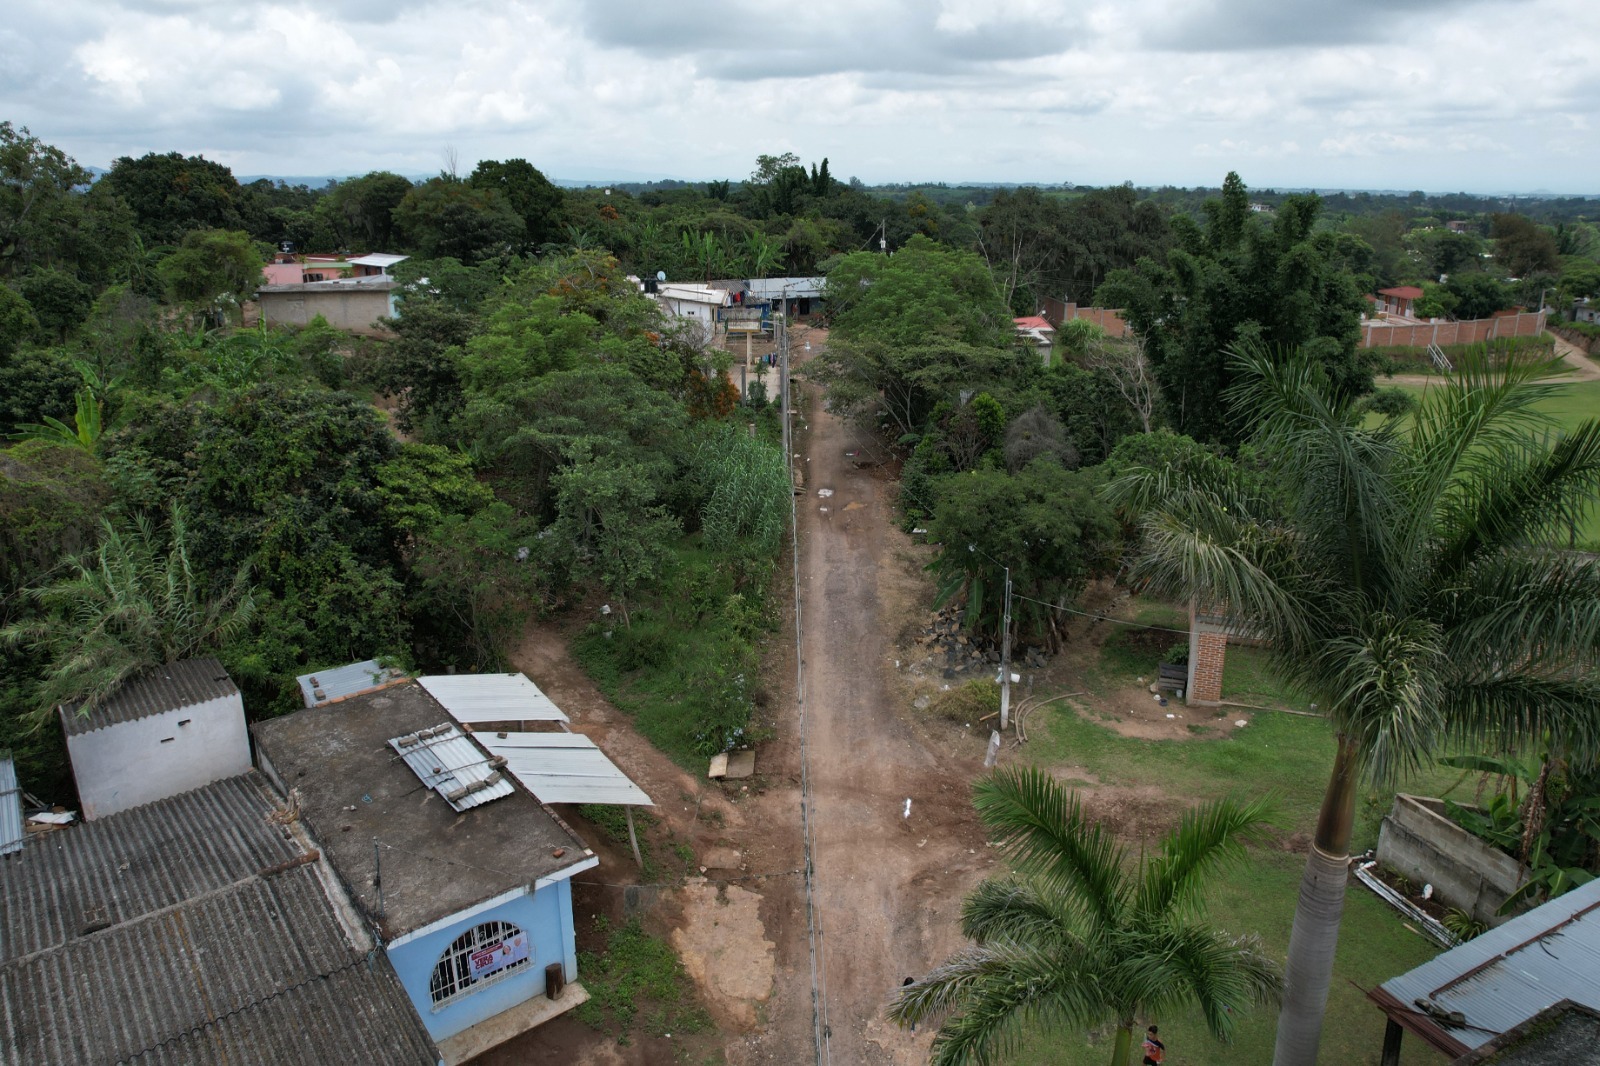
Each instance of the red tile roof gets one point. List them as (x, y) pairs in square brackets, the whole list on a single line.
[(1405, 292), (1032, 322)]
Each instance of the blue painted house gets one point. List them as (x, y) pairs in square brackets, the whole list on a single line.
[(464, 875)]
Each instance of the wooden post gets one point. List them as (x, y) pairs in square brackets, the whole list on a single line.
[(633, 837), (1392, 1033)]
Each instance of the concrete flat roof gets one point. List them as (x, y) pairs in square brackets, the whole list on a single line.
[(368, 810)]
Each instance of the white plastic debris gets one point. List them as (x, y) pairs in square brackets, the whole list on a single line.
[(908, 808), (605, 608), (1240, 723)]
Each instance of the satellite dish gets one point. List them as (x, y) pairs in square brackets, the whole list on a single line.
[(661, 275)]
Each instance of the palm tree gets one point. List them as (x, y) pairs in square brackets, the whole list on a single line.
[(1079, 937), (1402, 575), (121, 608)]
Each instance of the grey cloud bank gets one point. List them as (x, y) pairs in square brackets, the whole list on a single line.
[(1497, 95)]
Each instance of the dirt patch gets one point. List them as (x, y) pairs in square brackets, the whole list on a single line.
[(723, 947)]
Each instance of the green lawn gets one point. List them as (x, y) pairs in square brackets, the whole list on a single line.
[(1568, 404), (1289, 756)]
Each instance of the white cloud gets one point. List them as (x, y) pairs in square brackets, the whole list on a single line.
[(1382, 93)]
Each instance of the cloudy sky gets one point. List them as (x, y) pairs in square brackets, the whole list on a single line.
[(1486, 96)]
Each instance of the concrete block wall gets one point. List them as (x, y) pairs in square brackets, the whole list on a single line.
[(1419, 842)]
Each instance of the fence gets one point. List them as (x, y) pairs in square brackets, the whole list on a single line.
[(1374, 334)]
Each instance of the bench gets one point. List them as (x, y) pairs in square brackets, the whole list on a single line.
[(1172, 677)]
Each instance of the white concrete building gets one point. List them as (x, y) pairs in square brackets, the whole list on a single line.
[(694, 304), (169, 730)]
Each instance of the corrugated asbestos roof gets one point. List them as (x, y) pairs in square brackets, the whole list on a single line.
[(341, 682), (564, 768), (189, 931), (12, 832), (1505, 976), (452, 765), (164, 688), (482, 698)]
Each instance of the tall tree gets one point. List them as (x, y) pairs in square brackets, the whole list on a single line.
[(449, 217), (1402, 576), (360, 211), (1081, 936), (212, 265), (1240, 279), (134, 602), (1523, 246), (172, 194), (36, 198), (530, 194)]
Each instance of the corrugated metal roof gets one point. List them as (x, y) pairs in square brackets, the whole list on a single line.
[(1505, 976), (564, 768), (12, 832), (477, 698), (792, 288), (194, 931), (435, 861), (164, 688), (448, 762), (341, 682), (378, 259)]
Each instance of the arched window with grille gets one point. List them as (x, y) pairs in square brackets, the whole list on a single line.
[(482, 954)]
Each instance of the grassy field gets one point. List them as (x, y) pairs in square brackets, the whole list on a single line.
[(1568, 405), (1289, 756), (1285, 754)]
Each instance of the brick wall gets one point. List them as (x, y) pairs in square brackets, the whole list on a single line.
[(1108, 319), (1374, 334), (1208, 649), (1380, 335)]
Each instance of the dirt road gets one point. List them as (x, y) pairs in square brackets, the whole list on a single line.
[(888, 885)]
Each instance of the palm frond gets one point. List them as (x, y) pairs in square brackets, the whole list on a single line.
[(1046, 833), (1001, 990), (1178, 965), (1015, 909), (1381, 677), (1480, 411), (1524, 492), (1206, 553), (1506, 710), (1540, 609), (1207, 838)]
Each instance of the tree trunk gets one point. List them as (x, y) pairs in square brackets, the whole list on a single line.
[(1312, 943), (1120, 1050)]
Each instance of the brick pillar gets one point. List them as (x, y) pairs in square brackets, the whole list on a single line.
[(1208, 648)]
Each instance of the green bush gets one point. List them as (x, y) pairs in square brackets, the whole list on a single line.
[(1391, 402)]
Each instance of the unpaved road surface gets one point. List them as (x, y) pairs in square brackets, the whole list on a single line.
[(888, 886)]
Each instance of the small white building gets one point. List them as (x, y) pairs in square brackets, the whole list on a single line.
[(167, 731), (694, 304)]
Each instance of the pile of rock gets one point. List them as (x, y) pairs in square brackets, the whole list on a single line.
[(957, 652)]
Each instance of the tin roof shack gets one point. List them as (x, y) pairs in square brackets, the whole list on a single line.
[(192, 931), (464, 874), (1499, 980), (170, 729)]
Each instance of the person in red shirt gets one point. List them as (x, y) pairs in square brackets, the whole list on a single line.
[(1154, 1049)]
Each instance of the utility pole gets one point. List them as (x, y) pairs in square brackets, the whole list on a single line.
[(1005, 657), (782, 330)]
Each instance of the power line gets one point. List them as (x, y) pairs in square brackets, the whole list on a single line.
[(1097, 616)]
